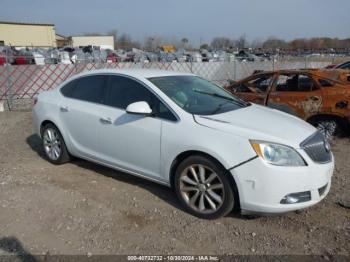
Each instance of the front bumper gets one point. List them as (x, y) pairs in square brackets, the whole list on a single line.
[(262, 186)]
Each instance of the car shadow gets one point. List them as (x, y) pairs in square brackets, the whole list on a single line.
[(13, 246), (163, 192)]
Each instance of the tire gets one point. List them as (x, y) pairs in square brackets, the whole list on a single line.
[(54, 146), (209, 200)]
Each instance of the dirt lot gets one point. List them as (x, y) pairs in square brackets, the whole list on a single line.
[(83, 208)]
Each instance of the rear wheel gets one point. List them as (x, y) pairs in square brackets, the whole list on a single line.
[(54, 145), (203, 187)]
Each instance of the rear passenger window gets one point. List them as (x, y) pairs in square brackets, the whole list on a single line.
[(294, 83), (68, 88), (123, 91), (89, 88), (305, 83)]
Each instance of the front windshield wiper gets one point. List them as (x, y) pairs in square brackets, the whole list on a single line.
[(219, 108), (241, 103)]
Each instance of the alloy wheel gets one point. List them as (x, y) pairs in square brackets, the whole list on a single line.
[(52, 143), (202, 189)]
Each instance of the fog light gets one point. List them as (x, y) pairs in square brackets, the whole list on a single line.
[(296, 198), (289, 200)]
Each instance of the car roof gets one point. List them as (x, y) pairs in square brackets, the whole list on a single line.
[(342, 64), (312, 71), (137, 73), (337, 75)]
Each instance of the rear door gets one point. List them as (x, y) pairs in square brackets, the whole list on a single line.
[(296, 94), (80, 113), (255, 89)]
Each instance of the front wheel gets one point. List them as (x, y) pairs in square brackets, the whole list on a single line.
[(203, 187), (54, 145)]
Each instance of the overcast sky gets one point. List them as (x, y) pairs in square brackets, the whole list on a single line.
[(195, 19)]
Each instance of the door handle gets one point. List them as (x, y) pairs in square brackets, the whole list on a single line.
[(106, 120), (64, 108)]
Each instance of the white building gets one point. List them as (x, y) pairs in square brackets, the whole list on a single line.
[(105, 42)]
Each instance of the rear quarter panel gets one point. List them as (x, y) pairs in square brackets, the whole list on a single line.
[(47, 109)]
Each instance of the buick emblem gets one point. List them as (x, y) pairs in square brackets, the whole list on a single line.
[(327, 146)]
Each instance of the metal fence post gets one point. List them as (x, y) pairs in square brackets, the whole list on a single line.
[(234, 69), (305, 62), (9, 84), (9, 88)]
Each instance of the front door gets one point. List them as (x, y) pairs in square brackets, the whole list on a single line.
[(130, 141)]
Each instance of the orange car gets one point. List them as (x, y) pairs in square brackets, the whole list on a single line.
[(319, 96)]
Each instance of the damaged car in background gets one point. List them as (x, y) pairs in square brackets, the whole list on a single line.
[(320, 97)]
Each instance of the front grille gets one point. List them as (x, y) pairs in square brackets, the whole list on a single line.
[(317, 147), (321, 190)]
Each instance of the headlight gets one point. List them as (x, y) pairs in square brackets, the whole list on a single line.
[(277, 154)]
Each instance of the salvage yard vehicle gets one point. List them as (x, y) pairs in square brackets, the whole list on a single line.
[(320, 97), (345, 65), (218, 152)]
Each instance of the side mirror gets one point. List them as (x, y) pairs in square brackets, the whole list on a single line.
[(139, 108)]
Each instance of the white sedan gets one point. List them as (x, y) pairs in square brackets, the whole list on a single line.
[(218, 152)]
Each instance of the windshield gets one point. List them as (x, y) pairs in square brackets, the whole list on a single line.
[(196, 95)]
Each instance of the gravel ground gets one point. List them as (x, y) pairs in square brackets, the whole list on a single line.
[(83, 208)]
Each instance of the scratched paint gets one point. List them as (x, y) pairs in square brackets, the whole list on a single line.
[(311, 105)]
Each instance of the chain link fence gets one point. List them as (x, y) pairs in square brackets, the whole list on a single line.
[(23, 82)]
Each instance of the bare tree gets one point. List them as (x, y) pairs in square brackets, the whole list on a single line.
[(221, 43), (257, 43), (125, 42), (274, 43), (152, 43), (204, 46), (184, 42), (241, 42)]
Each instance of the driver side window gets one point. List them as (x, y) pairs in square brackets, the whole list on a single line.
[(123, 91)]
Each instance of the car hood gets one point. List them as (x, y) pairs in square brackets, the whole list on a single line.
[(260, 123)]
